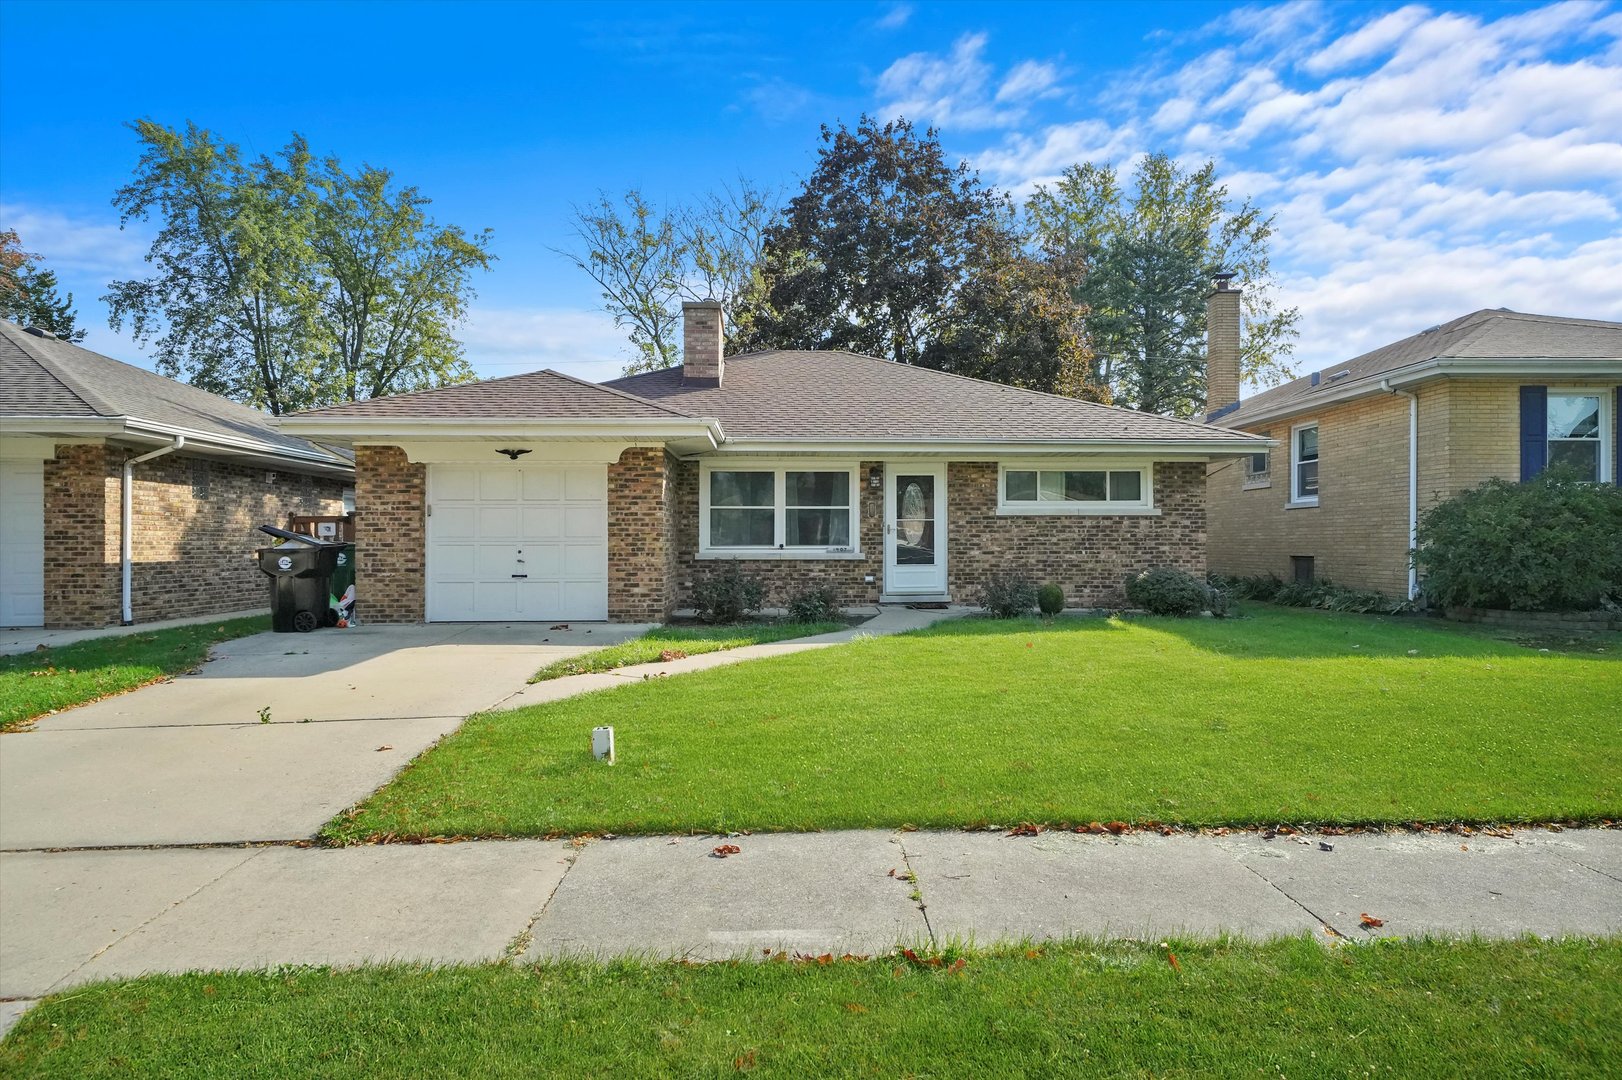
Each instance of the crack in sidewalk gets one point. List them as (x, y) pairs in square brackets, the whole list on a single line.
[(521, 942), (1321, 921), (1573, 859), (918, 889)]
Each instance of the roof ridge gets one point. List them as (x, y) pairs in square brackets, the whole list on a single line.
[(431, 390), (52, 368), (621, 393)]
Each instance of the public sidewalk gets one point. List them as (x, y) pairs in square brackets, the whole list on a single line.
[(71, 917)]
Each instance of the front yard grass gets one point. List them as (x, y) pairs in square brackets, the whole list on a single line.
[(1291, 1008), (1281, 716), (33, 684), (691, 640)]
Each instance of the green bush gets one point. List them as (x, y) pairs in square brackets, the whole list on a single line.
[(1322, 594), (1553, 544), (1050, 599), (1167, 591), (727, 596), (817, 604), (1007, 596)]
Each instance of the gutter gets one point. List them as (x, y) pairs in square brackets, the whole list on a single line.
[(1413, 481), (126, 526)]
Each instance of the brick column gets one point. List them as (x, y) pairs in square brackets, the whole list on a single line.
[(390, 535), (81, 537), (641, 528)]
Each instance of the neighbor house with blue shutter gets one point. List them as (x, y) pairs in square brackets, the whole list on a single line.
[(1366, 445)]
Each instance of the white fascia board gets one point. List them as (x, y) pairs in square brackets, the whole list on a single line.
[(1234, 444), (380, 429), (1507, 367), (129, 427)]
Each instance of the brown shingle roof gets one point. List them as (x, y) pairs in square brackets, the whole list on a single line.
[(49, 378), (824, 394), (1490, 334), (537, 395)]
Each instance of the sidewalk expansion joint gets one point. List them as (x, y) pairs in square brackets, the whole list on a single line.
[(1585, 866), (521, 942), (199, 845), (1323, 922), (243, 724), (918, 889), (93, 957)]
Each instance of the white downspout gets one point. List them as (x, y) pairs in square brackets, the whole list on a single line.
[(125, 527), (1413, 481)]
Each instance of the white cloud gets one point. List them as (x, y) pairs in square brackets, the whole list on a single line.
[(895, 18), (1421, 163), (580, 342), (77, 243), (956, 90)]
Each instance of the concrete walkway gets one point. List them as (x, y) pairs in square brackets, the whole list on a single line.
[(70, 917)]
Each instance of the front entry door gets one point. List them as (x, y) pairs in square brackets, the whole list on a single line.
[(914, 529)]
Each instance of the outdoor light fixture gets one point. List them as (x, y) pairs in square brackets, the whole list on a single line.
[(512, 454)]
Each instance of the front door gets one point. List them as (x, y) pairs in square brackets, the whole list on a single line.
[(914, 529)]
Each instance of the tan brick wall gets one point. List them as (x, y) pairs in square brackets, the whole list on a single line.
[(1469, 430), (640, 534), (1088, 557), (191, 553), (1222, 348), (390, 534)]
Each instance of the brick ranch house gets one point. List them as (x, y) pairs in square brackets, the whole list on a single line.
[(541, 496), (1366, 445), (129, 497)]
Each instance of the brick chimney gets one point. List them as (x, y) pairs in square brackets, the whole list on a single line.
[(701, 361), (1221, 344)]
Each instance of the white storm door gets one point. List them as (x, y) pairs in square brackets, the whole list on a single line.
[(22, 543), (914, 528), (517, 543)]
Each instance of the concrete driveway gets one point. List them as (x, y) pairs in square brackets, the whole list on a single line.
[(193, 761)]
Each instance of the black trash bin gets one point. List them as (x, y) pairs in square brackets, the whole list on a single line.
[(300, 580)]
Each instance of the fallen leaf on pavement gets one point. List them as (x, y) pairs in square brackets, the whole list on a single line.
[(723, 850), (1370, 921), (1025, 828), (384, 747), (667, 655), (1116, 827)]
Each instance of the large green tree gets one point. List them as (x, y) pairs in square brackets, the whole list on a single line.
[(647, 260), (287, 283), (28, 292), (1141, 264), (894, 251)]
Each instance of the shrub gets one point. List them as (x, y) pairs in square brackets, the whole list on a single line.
[(817, 604), (1007, 596), (1218, 597), (1322, 594), (1553, 544), (1167, 591), (727, 596), (1050, 599)]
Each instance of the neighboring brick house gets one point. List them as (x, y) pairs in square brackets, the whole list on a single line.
[(1366, 445), (542, 497), (78, 431)]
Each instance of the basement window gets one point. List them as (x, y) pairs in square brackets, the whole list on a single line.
[(1303, 570)]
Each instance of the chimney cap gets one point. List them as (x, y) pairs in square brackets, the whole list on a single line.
[(707, 302), (1222, 278)]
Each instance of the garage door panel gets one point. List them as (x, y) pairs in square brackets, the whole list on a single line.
[(22, 543), (548, 524), (500, 484)]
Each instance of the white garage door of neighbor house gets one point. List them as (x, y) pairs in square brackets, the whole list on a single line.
[(518, 543), (22, 543)]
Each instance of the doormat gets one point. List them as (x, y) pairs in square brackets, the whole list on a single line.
[(932, 606)]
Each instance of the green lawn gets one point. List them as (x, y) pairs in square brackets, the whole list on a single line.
[(1284, 715), (46, 681), (1292, 1008), (691, 640)]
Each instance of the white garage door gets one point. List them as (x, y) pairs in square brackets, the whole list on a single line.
[(519, 543), (22, 543)]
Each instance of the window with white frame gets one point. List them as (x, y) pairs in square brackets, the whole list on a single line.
[(1576, 434), (1304, 465), (788, 508), (1073, 490)]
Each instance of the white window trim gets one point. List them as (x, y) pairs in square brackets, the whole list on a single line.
[(1142, 507), (1296, 498), (779, 509), (1607, 424)]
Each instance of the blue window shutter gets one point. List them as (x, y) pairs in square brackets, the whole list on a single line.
[(1534, 430)]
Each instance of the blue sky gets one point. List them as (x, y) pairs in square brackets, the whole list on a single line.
[(1423, 160)]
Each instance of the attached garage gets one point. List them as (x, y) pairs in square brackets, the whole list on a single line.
[(517, 542), (22, 542)]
